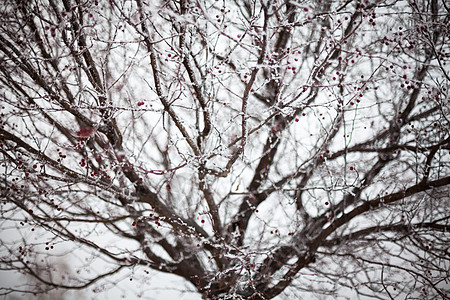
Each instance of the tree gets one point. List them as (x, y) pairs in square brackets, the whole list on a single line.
[(254, 148)]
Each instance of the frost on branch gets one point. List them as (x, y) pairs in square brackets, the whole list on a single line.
[(253, 149)]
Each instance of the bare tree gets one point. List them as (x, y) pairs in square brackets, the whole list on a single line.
[(255, 148)]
